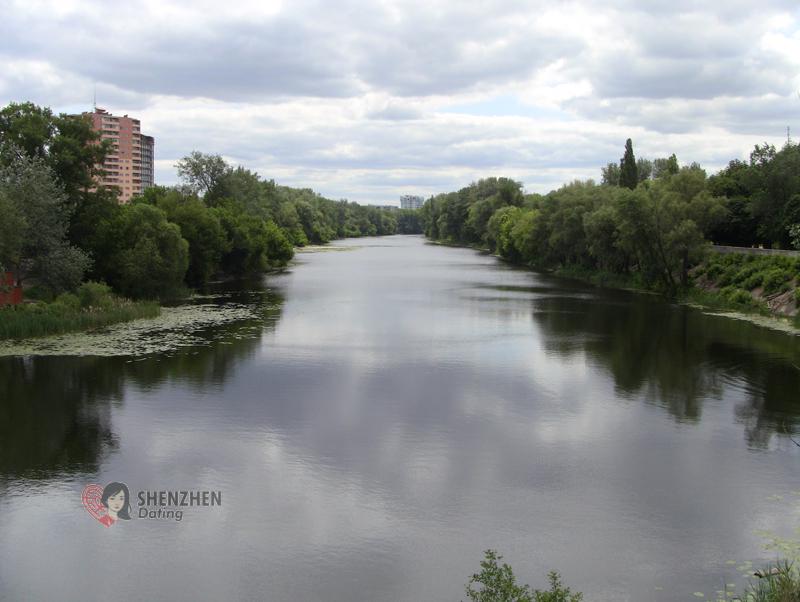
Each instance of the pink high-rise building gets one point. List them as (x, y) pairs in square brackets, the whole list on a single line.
[(129, 164)]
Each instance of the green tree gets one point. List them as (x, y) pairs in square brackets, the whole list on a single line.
[(499, 230), (34, 214), (202, 172), (775, 200), (601, 227), (409, 221), (628, 173), (152, 257), (279, 249), (736, 184), (665, 167), (67, 144), (199, 226), (663, 226), (94, 225), (644, 169), (794, 235), (610, 174)]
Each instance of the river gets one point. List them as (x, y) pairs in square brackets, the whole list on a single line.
[(385, 411)]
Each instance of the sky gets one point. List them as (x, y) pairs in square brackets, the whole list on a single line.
[(375, 99)]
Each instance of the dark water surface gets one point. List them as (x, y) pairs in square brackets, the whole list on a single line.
[(395, 409)]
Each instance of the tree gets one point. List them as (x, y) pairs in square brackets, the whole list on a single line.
[(610, 175), (665, 167), (152, 257), (775, 201), (602, 236), (628, 174), (644, 167), (67, 144), (663, 225), (499, 232), (279, 249), (794, 235), (734, 183), (201, 172), (199, 226), (34, 215), (94, 225)]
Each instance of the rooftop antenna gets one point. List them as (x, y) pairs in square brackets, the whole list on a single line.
[(94, 103), (788, 135)]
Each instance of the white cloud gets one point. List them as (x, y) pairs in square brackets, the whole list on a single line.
[(369, 100)]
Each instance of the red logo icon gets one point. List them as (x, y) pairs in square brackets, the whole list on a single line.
[(107, 504)]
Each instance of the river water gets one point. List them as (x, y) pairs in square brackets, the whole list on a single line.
[(384, 412)]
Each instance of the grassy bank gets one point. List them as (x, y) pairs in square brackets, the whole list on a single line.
[(91, 306), (765, 285)]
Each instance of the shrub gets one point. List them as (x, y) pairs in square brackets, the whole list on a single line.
[(65, 303), (714, 271), (774, 278), (753, 281), (95, 294), (740, 297), (745, 273), (498, 584)]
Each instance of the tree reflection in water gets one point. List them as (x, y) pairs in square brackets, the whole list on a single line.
[(677, 357), (55, 411)]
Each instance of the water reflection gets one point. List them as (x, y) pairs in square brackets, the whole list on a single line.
[(55, 414), (678, 357), (413, 406)]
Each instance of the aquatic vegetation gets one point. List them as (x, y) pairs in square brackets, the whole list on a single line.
[(175, 327), (92, 306)]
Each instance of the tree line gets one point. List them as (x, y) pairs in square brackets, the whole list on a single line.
[(59, 228), (648, 220)]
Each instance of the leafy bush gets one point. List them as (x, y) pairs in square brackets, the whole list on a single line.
[(498, 584), (714, 271), (95, 294), (65, 303), (728, 275), (740, 297), (753, 281), (774, 278)]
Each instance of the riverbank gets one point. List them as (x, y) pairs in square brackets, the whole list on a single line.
[(764, 288), (92, 306), (759, 287)]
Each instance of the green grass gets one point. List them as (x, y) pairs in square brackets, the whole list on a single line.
[(748, 272), (735, 276), (781, 585), (91, 306)]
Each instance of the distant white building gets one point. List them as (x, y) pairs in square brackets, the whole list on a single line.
[(409, 201)]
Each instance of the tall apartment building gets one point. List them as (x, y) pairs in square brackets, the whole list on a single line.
[(129, 165), (408, 201)]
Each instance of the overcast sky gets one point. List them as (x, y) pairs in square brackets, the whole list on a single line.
[(373, 99)]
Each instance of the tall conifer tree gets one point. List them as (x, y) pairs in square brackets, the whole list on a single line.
[(628, 173)]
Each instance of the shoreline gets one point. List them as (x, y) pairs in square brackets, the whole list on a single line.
[(719, 305)]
